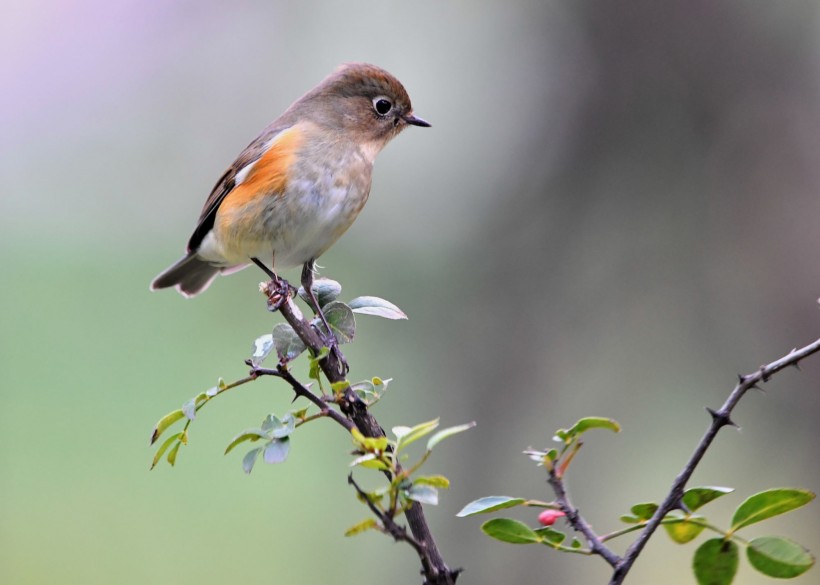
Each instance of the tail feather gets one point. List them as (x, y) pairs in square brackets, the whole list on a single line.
[(191, 275)]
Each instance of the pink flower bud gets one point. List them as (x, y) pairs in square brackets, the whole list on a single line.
[(548, 517)]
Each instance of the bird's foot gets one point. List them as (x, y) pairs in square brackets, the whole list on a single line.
[(278, 290)]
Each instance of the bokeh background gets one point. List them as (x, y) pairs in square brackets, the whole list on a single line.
[(615, 212)]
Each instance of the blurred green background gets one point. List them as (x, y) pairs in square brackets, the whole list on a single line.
[(615, 212)]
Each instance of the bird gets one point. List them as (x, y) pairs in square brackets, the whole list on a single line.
[(299, 185)]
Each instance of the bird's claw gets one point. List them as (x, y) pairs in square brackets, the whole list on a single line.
[(278, 291)]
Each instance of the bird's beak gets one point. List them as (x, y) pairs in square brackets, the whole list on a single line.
[(416, 121)]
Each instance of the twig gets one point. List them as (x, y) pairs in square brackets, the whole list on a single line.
[(434, 568), (398, 532), (301, 390), (720, 419), (577, 521)]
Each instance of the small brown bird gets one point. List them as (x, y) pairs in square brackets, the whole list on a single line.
[(300, 184)]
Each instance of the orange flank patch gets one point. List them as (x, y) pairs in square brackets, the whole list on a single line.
[(269, 174), (237, 226)]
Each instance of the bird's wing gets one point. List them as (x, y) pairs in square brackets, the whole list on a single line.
[(230, 179)]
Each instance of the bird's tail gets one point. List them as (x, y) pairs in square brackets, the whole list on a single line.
[(190, 276)]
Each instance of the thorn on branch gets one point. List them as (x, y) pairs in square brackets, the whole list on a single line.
[(679, 505), (721, 418)]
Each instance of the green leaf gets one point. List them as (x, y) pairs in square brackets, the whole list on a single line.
[(576, 543), (423, 494), (361, 527), (629, 519), (509, 530), (489, 504), (271, 422), (594, 422), (262, 346), (370, 391), (247, 435), (276, 428), (437, 481), (315, 369), (287, 343), (277, 450), (189, 409), (376, 306), (400, 431), (325, 289), (541, 457), (779, 557), (371, 461), (164, 447), (172, 454), (369, 444), (448, 432), (415, 433), (715, 562), (550, 536), (341, 320), (769, 503), (249, 459), (685, 530), (695, 497), (165, 422), (644, 511)]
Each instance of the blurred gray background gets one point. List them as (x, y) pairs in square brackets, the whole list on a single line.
[(615, 212)]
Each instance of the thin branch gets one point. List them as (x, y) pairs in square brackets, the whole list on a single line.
[(301, 390), (434, 568), (398, 532), (720, 419), (577, 521)]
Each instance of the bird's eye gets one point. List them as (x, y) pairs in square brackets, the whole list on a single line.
[(382, 105)]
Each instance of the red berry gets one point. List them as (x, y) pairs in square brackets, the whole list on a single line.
[(548, 517)]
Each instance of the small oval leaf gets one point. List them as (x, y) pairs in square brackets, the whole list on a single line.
[(779, 557), (164, 448), (361, 527), (248, 435), (489, 504), (448, 432), (550, 536), (325, 289), (415, 433), (509, 530), (769, 503), (423, 494), (594, 422), (287, 343), (376, 306), (341, 320), (685, 530), (437, 481), (165, 422), (644, 511), (277, 450), (262, 346), (249, 459), (695, 497), (715, 562), (172, 454)]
